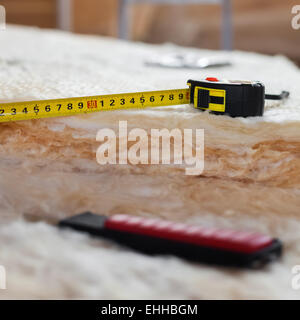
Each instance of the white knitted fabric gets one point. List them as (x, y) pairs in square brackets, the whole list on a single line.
[(48, 168)]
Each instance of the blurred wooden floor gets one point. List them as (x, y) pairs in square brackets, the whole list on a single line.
[(259, 25)]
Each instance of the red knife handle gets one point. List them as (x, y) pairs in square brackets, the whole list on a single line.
[(155, 236)]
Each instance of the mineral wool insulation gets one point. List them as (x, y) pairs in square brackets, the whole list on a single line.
[(48, 168)]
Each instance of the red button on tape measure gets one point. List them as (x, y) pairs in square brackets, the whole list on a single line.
[(212, 79)]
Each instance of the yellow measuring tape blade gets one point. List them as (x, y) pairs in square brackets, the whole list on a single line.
[(14, 111)]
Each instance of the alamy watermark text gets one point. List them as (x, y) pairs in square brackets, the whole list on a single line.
[(2, 277), (296, 18), (296, 278), (2, 18), (159, 146)]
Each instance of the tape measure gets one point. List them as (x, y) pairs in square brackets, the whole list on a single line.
[(26, 110), (235, 98)]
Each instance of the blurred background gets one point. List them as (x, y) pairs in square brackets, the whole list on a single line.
[(257, 25)]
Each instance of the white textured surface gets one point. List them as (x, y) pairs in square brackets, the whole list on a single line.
[(43, 262)]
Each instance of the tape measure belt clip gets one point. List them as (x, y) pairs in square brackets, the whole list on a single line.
[(211, 99), (241, 99)]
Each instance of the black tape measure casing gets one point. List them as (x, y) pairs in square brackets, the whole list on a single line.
[(235, 98)]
